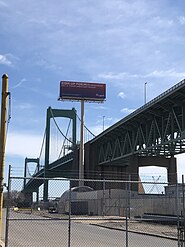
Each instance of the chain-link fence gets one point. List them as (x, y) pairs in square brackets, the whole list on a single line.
[(118, 213)]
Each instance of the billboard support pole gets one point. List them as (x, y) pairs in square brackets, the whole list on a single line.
[(81, 157), (82, 91)]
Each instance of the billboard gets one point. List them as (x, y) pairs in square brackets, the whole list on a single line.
[(82, 91)]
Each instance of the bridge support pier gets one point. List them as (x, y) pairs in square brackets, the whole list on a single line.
[(45, 192), (28, 199), (37, 199), (172, 171), (142, 161), (125, 170), (133, 171)]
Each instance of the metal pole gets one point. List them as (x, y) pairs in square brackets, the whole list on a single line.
[(25, 171), (3, 140), (81, 160), (183, 218), (126, 214), (8, 207), (103, 122), (69, 226), (47, 147), (178, 216), (183, 202), (145, 91), (104, 197), (129, 195)]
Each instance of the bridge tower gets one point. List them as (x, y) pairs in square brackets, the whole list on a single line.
[(51, 113), (30, 160)]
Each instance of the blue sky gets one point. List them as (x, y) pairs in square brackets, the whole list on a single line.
[(118, 42)]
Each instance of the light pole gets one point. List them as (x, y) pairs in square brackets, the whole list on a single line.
[(81, 156), (103, 122), (145, 91)]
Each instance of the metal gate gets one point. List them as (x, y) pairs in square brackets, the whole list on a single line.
[(82, 216)]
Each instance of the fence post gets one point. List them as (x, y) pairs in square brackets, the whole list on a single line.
[(129, 194), (104, 197), (69, 225), (8, 207), (127, 214), (183, 218)]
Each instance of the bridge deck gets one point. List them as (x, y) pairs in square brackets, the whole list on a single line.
[(155, 129)]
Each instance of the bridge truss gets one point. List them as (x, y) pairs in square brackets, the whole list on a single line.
[(156, 129)]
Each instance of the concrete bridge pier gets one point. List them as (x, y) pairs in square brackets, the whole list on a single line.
[(172, 171), (142, 161), (27, 199)]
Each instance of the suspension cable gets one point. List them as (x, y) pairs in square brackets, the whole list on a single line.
[(43, 139), (59, 128), (29, 173), (85, 126), (65, 138)]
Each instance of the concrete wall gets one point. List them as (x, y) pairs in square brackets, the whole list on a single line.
[(115, 203)]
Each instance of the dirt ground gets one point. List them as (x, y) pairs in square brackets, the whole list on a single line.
[(169, 231), (139, 226)]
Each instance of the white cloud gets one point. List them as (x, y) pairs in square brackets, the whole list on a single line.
[(24, 106), (122, 95), (154, 74), (4, 60), (163, 22), (165, 73), (3, 4), (99, 107), (97, 129), (20, 83), (110, 119), (113, 75), (23, 145), (182, 20), (38, 21), (127, 111), (48, 64)]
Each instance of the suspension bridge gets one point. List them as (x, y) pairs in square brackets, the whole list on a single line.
[(150, 136)]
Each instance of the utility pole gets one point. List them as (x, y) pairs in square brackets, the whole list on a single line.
[(4, 102)]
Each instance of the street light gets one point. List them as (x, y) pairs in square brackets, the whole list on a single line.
[(145, 92), (103, 122)]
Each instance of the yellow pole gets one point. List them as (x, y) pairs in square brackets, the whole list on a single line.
[(3, 140)]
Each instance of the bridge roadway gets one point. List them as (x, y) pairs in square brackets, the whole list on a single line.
[(151, 135), (61, 166)]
